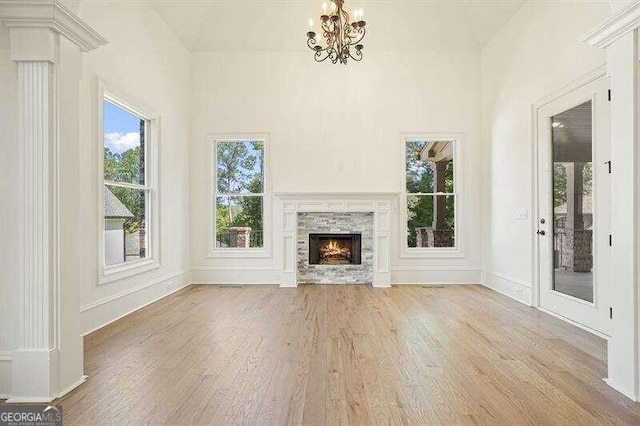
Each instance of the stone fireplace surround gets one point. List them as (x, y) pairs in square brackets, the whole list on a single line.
[(378, 206), (335, 223)]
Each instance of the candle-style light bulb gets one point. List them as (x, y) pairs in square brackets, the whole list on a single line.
[(333, 6), (310, 24), (361, 13), (324, 8)]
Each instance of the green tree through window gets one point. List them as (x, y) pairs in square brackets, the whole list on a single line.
[(239, 193)]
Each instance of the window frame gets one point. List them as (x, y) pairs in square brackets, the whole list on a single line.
[(432, 252), (111, 273), (234, 252)]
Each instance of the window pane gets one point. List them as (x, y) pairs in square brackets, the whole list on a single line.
[(431, 221), (239, 221), (573, 202), (124, 135), (240, 167), (429, 166), (125, 225)]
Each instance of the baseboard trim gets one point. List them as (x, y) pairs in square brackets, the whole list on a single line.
[(82, 379), (508, 286), (126, 293), (130, 311), (209, 268), (434, 283), (233, 283), (28, 400), (617, 388), (5, 374)]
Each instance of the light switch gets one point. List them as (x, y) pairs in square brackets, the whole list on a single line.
[(522, 214)]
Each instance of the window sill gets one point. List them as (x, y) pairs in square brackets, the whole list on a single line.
[(118, 272), (256, 253)]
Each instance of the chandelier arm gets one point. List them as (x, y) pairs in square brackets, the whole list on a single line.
[(357, 57), (362, 31), (321, 56)]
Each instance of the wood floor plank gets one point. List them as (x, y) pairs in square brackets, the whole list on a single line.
[(344, 354)]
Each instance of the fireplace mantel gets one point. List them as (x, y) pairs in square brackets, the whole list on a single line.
[(378, 203)]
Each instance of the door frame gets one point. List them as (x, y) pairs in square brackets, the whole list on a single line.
[(535, 242)]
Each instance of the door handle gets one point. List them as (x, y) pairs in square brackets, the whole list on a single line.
[(541, 232)]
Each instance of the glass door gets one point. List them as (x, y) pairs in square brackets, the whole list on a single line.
[(573, 215)]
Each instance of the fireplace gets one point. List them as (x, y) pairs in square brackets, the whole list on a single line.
[(335, 249)]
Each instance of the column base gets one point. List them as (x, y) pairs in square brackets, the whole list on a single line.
[(34, 375)]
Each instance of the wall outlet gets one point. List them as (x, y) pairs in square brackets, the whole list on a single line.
[(522, 214)]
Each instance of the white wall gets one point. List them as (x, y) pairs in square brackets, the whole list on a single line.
[(538, 52), (146, 62), (336, 129)]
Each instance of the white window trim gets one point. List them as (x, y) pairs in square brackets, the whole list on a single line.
[(432, 252), (218, 252), (111, 273)]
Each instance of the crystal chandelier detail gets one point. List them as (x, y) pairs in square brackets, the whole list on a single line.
[(342, 38)]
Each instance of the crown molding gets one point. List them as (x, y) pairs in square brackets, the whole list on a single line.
[(617, 25), (53, 15)]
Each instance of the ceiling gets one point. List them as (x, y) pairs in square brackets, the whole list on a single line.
[(281, 25)]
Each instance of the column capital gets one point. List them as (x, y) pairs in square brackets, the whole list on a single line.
[(617, 25), (40, 21)]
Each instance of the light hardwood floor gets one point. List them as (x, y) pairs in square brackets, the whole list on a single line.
[(344, 354)]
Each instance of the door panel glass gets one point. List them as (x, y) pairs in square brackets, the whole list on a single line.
[(573, 202)]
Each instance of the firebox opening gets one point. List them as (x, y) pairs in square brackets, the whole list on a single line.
[(335, 249)]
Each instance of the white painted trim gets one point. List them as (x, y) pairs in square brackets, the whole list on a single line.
[(80, 381), (265, 251), (129, 312), (27, 400), (198, 268), (128, 269), (620, 23), (620, 389), (127, 292), (435, 268), (51, 14), (574, 323), (380, 206), (237, 283), (112, 273), (406, 252), (434, 283), (583, 80), (511, 287)]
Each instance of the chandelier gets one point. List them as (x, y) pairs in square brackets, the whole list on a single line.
[(342, 38)]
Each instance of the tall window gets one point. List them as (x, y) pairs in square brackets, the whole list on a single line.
[(127, 185), (239, 193), (430, 193)]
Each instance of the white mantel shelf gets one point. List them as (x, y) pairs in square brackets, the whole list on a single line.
[(380, 204)]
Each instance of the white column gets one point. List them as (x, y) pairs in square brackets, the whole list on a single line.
[(44, 362), (619, 36), (622, 64), (35, 359)]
